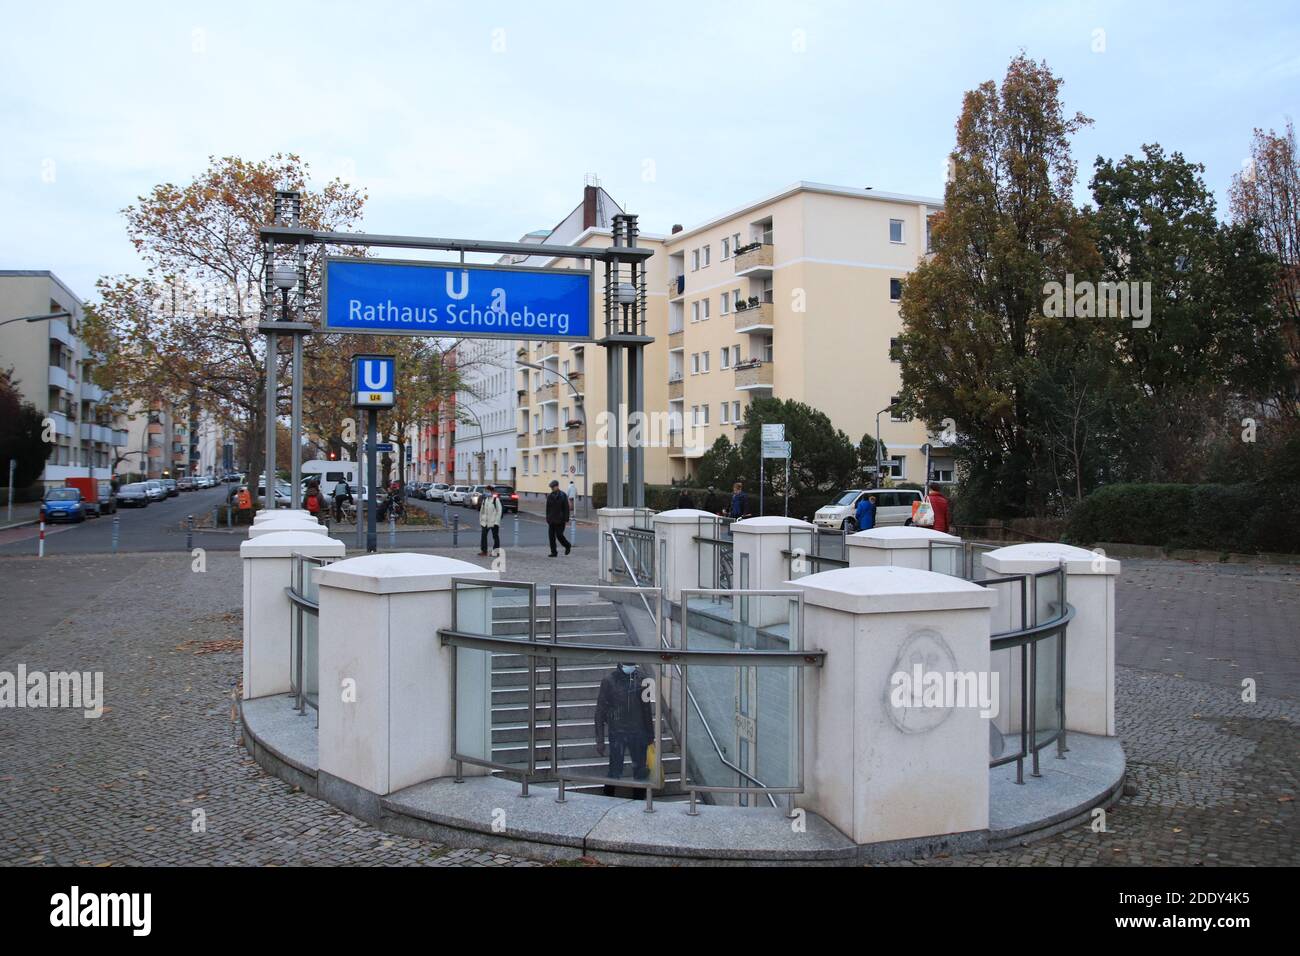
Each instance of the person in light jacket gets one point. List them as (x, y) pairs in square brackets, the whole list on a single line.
[(489, 518)]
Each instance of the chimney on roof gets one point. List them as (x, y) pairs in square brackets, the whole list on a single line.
[(589, 206), (677, 227)]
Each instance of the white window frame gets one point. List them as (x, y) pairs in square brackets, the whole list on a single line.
[(695, 311), (707, 258), (726, 247), (726, 304), (695, 363), (892, 297), (695, 260), (704, 363), (704, 313), (726, 358), (902, 232)]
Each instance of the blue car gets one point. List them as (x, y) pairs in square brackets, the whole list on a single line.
[(63, 504)]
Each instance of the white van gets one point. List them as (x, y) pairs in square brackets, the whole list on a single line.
[(330, 473), (893, 507)]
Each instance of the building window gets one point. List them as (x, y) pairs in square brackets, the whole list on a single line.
[(695, 414), (704, 309), (695, 311), (735, 412), (897, 466), (726, 410), (726, 247), (929, 246), (726, 359), (695, 260), (895, 347), (895, 290), (726, 303), (695, 364), (894, 415), (895, 230), (706, 257), (941, 474), (704, 362), (705, 409)]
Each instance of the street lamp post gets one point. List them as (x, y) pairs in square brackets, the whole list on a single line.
[(582, 410)]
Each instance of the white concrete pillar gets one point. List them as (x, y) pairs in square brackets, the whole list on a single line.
[(386, 683), (268, 570), (880, 766), (759, 562), (1090, 639), (904, 547), (677, 553), (306, 525), (607, 519)]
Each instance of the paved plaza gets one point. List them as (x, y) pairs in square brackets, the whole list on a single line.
[(161, 777)]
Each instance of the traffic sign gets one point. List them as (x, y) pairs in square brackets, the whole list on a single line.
[(773, 433), (776, 449), (392, 297), (373, 378)]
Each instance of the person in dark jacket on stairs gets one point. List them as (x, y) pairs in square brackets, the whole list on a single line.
[(623, 712)]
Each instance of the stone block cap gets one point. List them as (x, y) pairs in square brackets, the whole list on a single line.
[(886, 590), (280, 513), (399, 573), (1038, 556), (287, 524), (771, 524), (282, 544), (899, 536), (682, 515)]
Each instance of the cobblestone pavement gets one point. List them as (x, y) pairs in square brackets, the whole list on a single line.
[(1215, 775)]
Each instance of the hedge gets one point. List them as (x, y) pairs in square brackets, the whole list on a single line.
[(1242, 518)]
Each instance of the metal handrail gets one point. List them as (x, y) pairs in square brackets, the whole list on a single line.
[(699, 711), (302, 605)]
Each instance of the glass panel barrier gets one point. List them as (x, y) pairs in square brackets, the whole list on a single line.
[(743, 723), (495, 690)]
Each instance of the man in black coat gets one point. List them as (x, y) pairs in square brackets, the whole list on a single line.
[(623, 712), (557, 516)]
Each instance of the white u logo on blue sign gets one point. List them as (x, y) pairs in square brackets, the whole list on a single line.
[(374, 375)]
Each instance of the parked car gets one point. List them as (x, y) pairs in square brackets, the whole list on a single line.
[(170, 485), (63, 504), (283, 494), (134, 495), (231, 478), (457, 494), (437, 491), (96, 495), (509, 497), (157, 490), (185, 484), (893, 507)]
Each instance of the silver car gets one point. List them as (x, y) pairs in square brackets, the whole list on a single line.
[(458, 494)]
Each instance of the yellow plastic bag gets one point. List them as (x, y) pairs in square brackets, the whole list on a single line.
[(650, 756)]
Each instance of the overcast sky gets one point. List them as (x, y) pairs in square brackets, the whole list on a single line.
[(481, 120)]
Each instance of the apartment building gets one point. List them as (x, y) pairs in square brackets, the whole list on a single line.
[(795, 296), (53, 369), (561, 394), (484, 439)]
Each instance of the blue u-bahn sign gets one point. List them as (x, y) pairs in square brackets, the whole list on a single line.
[(373, 378), (386, 297)]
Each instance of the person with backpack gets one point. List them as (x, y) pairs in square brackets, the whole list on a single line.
[(314, 502)]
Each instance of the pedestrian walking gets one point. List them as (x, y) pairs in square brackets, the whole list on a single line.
[(684, 500), (314, 502), (942, 512), (739, 501), (573, 497), (713, 502), (557, 516), (342, 493), (489, 519), (625, 717)]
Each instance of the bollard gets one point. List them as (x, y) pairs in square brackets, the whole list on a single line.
[(189, 532), (516, 542), (230, 515), (40, 547), (573, 531), (392, 531), (445, 521), (216, 518), (116, 525), (455, 530)]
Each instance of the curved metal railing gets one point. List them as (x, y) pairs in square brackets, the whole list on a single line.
[(303, 628)]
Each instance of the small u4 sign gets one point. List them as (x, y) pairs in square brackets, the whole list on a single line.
[(372, 381)]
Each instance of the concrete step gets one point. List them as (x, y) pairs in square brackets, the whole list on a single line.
[(569, 691), (509, 677), (567, 710), (515, 752), (574, 729)]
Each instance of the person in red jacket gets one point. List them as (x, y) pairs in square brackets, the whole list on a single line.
[(940, 505)]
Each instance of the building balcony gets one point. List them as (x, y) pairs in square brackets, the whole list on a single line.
[(523, 439), (676, 388), (754, 375), (90, 392), (676, 339), (677, 286), (61, 379), (755, 260), (754, 317), (551, 436), (62, 424), (60, 332), (120, 437), (99, 433), (549, 393), (676, 444), (548, 349)]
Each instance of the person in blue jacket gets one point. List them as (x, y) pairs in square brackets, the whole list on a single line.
[(866, 512)]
